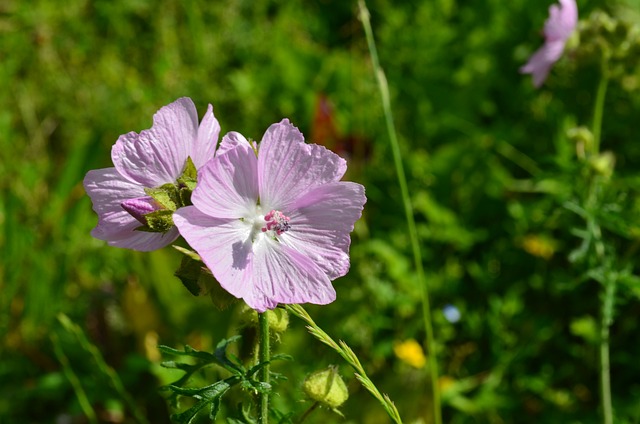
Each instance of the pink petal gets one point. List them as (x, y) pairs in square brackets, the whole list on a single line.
[(562, 20), (157, 156), (321, 222), (230, 141), (542, 60), (224, 246), (205, 145), (228, 185), (288, 167), (108, 190), (284, 275)]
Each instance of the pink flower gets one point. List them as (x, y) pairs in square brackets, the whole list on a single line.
[(144, 161), (558, 28), (272, 224)]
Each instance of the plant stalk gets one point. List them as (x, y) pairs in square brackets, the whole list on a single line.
[(264, 355), (406, 199), (598, 110), (605, 376)]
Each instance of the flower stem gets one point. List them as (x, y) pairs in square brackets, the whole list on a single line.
[(348, 355), (598, 110), (609, 284), (263, 323), (406, 199), (605, 377), (308, 412)]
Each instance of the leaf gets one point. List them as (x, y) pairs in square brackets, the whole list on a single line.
[(189, 274)]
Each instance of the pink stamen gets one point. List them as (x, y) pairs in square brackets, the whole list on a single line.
[(276, 221)]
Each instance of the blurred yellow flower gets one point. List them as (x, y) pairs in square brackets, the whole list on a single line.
[(538, 246), (410, 352)]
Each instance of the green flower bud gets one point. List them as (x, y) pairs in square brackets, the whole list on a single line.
[(603, 164), (326, 387), (278, 319)]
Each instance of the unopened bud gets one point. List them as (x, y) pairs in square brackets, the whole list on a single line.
[(139, 207), (603, 164), (278, 318), (326, 387)]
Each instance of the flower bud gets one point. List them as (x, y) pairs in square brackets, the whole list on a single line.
[(326, 387), (139, 207), (278, 318), (603, 164)]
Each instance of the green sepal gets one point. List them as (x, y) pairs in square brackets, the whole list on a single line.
[(187, 183), (166, 195), (159, 221), (189, 274), (184, 193), (190, 172), (197, 278)]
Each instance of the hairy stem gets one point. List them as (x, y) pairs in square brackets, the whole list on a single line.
[(263, 323), (406, 200)]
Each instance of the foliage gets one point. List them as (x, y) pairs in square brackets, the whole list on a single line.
[(500, 189)]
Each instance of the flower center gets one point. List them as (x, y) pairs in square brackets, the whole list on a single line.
[(276, 221)]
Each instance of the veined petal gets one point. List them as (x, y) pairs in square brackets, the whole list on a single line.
[(142, 240), (230, 141), (108, 190), (321, 223), (205, 145), (228, 185), (284, 275), (288, 167), (224, 246), (157, 156)]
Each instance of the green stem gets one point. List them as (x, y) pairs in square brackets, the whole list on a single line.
[(308, 412), (406, 199), (605, 377), (598, 110), (263, 411)]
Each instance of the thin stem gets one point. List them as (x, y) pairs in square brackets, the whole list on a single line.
[(263, 322), (406, 199), (598, 110), (605, 377), (345, 351), (308, 412)]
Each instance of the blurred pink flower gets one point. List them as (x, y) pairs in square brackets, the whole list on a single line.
[(558, 28), (273, 223), (154, 157)]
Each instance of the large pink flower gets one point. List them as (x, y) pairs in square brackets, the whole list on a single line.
[(558, 28), (273, 223), (148, 160)]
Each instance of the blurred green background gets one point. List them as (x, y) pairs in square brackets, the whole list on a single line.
[(480, 145)]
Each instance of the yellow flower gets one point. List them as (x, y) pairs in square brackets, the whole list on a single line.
[(410, 352), (539, 246)]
